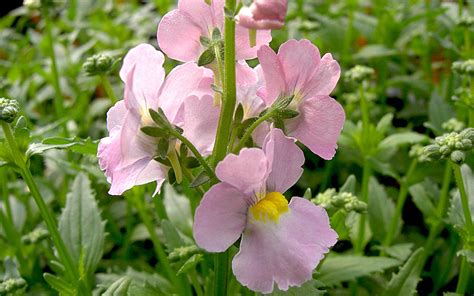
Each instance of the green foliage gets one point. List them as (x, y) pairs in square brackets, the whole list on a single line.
[(405, 281)]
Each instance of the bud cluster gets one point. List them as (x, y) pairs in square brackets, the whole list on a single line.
[(12, 286), (359, 74), (453, 125), (418, 151), (183, 252), (35, 236), (464, 67), (98, 64), (452, 145), (8, 110), (342, 200)]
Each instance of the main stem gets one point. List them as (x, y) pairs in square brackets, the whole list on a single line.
[(223, 133), (48, 218), (464, 198), (359, 247)]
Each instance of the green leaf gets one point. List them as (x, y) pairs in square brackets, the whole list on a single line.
[(172, 238), (350, 185), (154, 131), (338, 223), (200, 179), (469, 254), (385, 123), (439, 111), (81, 226), (83, 146), (380, 211), (190, 264), (338, 269), (421, 198), (455, 213), (308, 288), (405, 281), (400, 251), (206, 57), (399, 139), (119, 287), (60, 285), (178, 209), (374, 51)]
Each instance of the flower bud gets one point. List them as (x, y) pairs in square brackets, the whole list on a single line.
[(458, 157), (453, 125), (464, 67), (359, 74), (324, 199), (468, 134), (8, 110), (12, 286), (358, 206), (35, 236), (432, 152), (263, 15), (183, 252), (98, 64)]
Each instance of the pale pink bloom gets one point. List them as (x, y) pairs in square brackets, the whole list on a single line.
[(263, 14), (298, 70), (180, 30), (127, 154), (281, 243)]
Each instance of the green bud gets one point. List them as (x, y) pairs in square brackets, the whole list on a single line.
[(183, 252), (11, 286), (8, 110), (466, 21), (468, 134), (325, 199), (432, 152), (98, 64), (35, 236), (464, 67), (453, 125), (359, 74), (359, 206), (458, 157), (338, 201)]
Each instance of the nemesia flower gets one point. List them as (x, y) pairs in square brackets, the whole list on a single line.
[(298, 70), (127, 154), (281, 242), (180, 31), (263, 14)]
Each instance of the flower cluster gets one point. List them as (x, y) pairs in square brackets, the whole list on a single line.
[(283, 100), (452, 145)]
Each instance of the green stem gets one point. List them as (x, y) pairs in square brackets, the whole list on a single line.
[(58, 98), (364, 106), (196, 285), (108, 89), (402, 196), (48, 218), (221, 267), (249, 131), (199, 157), (463, 279), (228, 104), (464, 198), (367, 171)]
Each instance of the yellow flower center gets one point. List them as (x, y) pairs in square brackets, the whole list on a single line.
[(271, 207)]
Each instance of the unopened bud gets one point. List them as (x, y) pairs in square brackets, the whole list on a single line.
[(183, 252), (453, 125), (359, 73), (468, 134), (35, 236), (12, 286), (458, 157), (432, 152), (98, 64), (8, 110)]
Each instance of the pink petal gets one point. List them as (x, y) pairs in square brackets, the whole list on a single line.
[(286, 161), (245, 74), (243, 49), (124, 178), (207, 16), (179, 36), (275, 80), (325, 78), (285, 253), (116, 115), (319, 125), (263, 14), (247, 171), (201, 117), (182, 81), (299, 60), (220, 218), (143, 72), (109, 152)]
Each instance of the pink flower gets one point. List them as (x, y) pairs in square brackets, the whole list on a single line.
[(281, 242), (180, 31), (263, 14), (298, 70), (127, 154)]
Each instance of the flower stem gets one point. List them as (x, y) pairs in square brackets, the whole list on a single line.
[(464, 198), (48, 218), (249, 131), (221, 267), (463, 276), (229, 100), (108, 89), (402, 196), (367, 171)]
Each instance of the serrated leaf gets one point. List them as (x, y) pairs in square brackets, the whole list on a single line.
[(405, 281), (336, 270), (81, 226), (190, 263), (78, 145), (400, 139), (206, 57), (154, 131), (384, 123), (60, 285), (381, 210), (119, 287)]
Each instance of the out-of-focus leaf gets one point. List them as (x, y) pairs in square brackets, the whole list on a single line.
[(178, 209), (455, 213), (439, 111), (81, 226), (400, 251), (308, 288), (60, 285), (350, 185), (119, 288), (338, 269), (374, 51), (405, 281), (83, 146), (381, 210), (190, 263), (400, 139), (422, 200), (172, 238)]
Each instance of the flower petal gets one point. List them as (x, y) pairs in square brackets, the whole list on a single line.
[(285, 253), (220, 218), (319, 125), (285, 159), (263, 14), (325, 78), (243, 50), (143, 72), (116, 115), (177, 27), (275, 80), (207, 16), (247, 171), (201, 117)]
